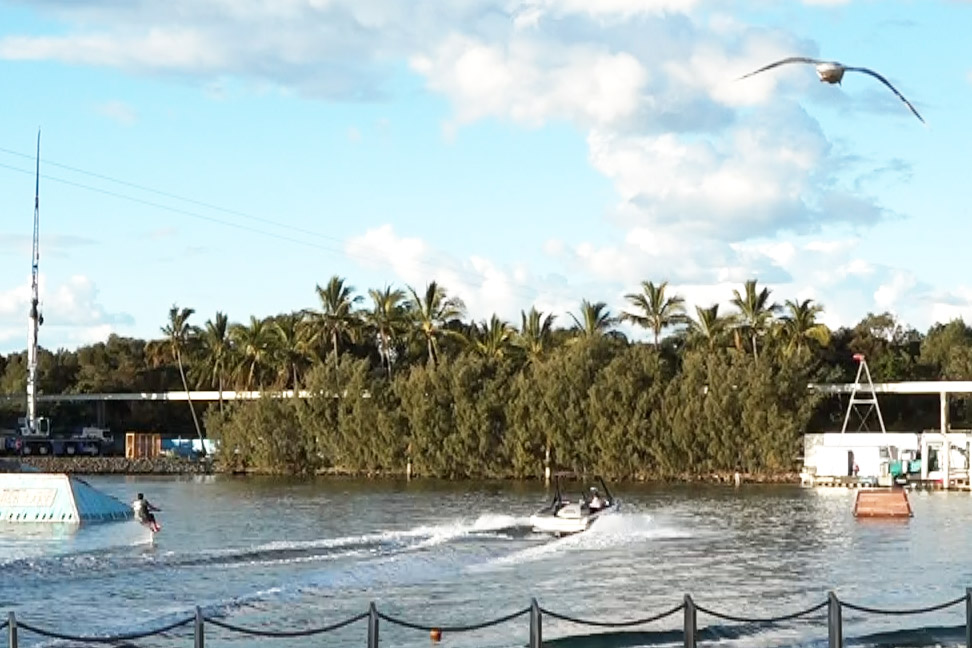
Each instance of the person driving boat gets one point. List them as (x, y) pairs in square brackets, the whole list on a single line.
[(596, 501)]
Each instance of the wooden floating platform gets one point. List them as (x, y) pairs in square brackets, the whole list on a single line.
[(875, 503)]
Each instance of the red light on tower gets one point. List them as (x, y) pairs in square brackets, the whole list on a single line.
[(859, 357)]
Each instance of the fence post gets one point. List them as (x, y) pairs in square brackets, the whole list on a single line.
[(968, 617), (536, 625), (199, 630), (12, 630), (835, 630), (690, 625), (372, 626)]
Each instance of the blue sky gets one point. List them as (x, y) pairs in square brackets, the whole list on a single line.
[(229, 156)]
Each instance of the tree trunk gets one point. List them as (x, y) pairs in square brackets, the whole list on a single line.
[(384, 351), (185, 385), (755, 354), (337, 378)]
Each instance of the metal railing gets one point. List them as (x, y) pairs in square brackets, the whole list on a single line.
[(689, 609)]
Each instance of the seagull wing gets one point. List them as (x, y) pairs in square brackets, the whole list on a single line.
[(791, 59), (885, 82)]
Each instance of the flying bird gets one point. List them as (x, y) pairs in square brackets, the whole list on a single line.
[(833, 72)]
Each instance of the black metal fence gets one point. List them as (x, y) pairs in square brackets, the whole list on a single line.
[(374, 618)]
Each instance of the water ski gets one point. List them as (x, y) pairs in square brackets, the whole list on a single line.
[(154, 527)]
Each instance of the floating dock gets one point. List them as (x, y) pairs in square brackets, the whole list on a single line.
[(56, 498), (875, 503)]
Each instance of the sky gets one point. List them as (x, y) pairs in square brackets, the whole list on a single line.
[(231, 155)]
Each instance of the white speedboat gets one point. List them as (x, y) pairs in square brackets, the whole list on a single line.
[(564, 516)]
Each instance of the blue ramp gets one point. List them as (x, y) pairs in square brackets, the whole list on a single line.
[(56, 497)]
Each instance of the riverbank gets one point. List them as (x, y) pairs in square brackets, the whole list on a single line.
[(684, 478), (182, 466), (118, 465)]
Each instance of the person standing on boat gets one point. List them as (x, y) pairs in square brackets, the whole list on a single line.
[(596, 502)]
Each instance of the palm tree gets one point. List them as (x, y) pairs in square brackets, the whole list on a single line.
[(800, 325), (216, 353), (535, 333), (491, 339), (431, 312), (178, 333), (337, 318), (655, 311), (388, 319), (255, 345), (292, 346), (708, 325), (595, 320), (755, 311)]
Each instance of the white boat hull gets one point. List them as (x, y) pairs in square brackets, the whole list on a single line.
[(567, 521)]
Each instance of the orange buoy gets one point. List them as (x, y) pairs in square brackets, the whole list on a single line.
[(435, 635)]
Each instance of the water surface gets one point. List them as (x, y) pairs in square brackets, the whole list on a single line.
[(290, 554)]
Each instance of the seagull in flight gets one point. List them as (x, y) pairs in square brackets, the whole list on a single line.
[(833, 72)]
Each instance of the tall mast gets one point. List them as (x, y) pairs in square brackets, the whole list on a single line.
[(35, 317)]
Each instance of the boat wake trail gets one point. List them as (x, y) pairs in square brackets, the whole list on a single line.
[(613, 530), (116, 556)]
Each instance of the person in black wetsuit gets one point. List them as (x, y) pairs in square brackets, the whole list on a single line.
[(143, 512)]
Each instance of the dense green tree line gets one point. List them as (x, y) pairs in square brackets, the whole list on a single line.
[(401, 376)]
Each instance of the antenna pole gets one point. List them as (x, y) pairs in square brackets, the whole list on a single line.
[(35, 317)]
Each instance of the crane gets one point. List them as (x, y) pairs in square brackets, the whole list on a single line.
[(36, 319)]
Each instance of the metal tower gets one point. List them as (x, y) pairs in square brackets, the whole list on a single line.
[(869, 398), (36, 319)]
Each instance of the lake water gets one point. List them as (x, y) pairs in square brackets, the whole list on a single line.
[(287, 554)]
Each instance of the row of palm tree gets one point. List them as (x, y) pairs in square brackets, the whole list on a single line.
[(755, 316), (277, 351)]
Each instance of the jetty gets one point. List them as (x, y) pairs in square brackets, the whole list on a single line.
[(859, 457)]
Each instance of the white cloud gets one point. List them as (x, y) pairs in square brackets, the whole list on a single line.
[(71, 310), (485, 286), (956, 304), (163, 233), (58, 245), (14, 303), (856, 267), (166, 48), (717, 181), (118, 111), (616, 8), (328, 48), (531, 82), (888, 294)]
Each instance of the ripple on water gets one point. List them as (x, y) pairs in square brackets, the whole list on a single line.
[(293, 554)]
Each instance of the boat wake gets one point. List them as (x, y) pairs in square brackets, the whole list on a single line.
[(112, 554), (612, 530), (372, 562)]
